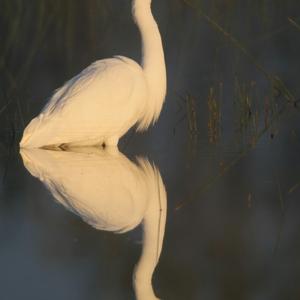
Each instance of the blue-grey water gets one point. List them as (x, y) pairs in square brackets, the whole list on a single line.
[(226, 145)]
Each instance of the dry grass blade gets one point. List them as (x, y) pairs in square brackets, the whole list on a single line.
[(294, 187), (276, 82), (294, 23)]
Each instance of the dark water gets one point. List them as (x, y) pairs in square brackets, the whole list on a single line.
[(226, 145)]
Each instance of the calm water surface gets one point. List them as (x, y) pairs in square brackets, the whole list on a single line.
[(226, 147)]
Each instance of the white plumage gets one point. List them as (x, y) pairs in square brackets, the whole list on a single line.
[(100, 104)]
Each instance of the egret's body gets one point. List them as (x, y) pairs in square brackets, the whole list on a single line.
[(99, 105)]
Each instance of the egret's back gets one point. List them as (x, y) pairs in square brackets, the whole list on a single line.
[(103, 101)]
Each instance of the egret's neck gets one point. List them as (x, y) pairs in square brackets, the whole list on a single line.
[(153, 61)]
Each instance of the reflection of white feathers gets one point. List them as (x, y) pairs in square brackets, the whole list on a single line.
[(111, 193), (107, 98), (105, 189)]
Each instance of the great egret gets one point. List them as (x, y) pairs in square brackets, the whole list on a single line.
[(99, 105), (111, 193)]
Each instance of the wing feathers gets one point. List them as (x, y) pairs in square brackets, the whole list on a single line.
[(72, 87)]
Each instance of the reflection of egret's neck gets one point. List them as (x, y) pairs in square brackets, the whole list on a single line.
[(153, 230)]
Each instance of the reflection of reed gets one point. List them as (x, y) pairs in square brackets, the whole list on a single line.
[(191, 111), (246, 110), (226, 166), (214, 114), (192, 124), (252, 115)]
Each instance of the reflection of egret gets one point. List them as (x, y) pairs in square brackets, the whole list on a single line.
[(110, 193), (100, 104)]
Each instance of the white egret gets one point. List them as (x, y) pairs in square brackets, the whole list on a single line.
[(99, 105), (111, 193)]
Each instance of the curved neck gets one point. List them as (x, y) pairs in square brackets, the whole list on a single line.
[(153, 61)]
